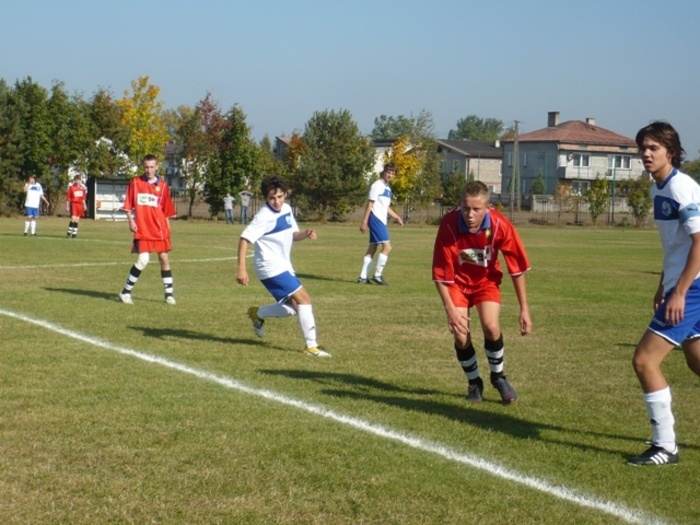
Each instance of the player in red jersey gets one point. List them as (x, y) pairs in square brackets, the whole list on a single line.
[(149, 207), (75, 204), (467, 273)]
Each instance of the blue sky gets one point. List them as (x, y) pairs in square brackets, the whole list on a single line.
[(623, 62)]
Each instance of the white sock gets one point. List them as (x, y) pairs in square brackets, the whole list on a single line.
[(307, 323), (659, 410), (275, 310), (381, 263), (26, 226), (366, 261), (33, 226)]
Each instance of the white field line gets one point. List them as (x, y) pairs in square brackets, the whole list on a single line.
[(112, 263), (558, 491)]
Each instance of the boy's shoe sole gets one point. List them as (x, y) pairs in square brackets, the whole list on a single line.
[(258, 324)]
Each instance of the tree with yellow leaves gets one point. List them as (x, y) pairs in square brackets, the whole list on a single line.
[(142, 116), (408, 160)]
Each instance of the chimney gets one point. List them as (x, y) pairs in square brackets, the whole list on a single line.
[(590, 121), (552, 119)]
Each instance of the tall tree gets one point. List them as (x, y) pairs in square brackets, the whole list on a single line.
[(473, 127), (413, 127), (10, 151), (597, 197), (331, 174), (142, 115), (638, 197)]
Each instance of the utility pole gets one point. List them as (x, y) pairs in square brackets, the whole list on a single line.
[(515, 180)]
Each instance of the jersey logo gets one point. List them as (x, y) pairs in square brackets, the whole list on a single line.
[(146, 199), (475, 256), (665, 209), (78, 193)]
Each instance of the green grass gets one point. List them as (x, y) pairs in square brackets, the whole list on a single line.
[(92, 436)]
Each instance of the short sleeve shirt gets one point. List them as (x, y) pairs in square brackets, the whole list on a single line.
[(152, 207), (471, 259), (380, 194), (272, 232), (677, 215), (77, 193), (34, 194)]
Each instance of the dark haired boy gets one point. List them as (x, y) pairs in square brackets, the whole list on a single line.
[(676, 321), (272, 231)]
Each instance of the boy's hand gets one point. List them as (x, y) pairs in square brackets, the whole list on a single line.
[(242, 277), (457, 322), (525, 322), (311, 234)]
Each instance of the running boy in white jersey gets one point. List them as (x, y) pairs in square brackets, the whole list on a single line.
[(375, 220), (273, 230), (676, 321), (35, 194)]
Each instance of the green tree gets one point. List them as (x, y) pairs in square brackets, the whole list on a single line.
[(142, 115), (639, 198), (537, 187), (105, 156), (473, 127), (597, 197), (11, 183), (331, 177), (414, 127), (692, 168)]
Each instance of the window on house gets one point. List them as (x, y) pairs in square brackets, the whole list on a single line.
[(443, 165), (619, 162), (581, 160), (524, 158), (579, 187), (455, 165), (509, 158)]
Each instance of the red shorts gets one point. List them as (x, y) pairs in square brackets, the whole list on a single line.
[(141, 246), (467, 297), (77, 209)]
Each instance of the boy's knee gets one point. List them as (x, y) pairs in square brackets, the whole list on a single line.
[(492, 331), (142, 260)]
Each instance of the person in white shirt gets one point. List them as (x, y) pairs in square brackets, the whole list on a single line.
[(245, 196), (228, 208), (375, 220), (676, 321), (272, 231), (35, 194)]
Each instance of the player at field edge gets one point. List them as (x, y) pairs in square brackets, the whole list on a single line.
[(149, 207), (75, 205), (467, 274), (35, 194), (676, 320), (273, 231), (375, 220)]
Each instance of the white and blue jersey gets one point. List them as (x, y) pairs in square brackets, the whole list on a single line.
[(272, 232), (677, 215), (380, 195), (33, 199)]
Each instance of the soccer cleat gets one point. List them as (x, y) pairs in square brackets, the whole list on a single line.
[(654, 456), (378, 279), (169, 299), (258, 324), (475, 390), (25, 234), (362, 280), (504, 388), (126, 298), (315, 351)]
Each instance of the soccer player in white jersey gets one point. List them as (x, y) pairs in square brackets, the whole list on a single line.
[(272, 231), (35, 194), (676, 321), (375, 220)]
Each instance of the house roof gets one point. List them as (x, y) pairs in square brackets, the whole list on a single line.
[(473, 148), (577, 132)]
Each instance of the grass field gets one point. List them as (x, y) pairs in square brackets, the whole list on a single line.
[(380, 433)]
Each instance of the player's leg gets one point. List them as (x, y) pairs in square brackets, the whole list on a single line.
[(366, 261), (691, 349), (32, 221), (307, 323), (489, 316), (382, 259), (133, 277), (466, 356), (27, 220), (166, 275), (648, 356)]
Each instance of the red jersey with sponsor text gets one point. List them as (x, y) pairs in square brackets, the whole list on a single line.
[(471, 259), (76, 195), (152, 207)]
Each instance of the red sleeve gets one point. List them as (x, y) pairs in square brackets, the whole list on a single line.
[(443, 259), (167, 203), (129, 203), (513, 250)]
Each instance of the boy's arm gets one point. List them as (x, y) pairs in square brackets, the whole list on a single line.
[(242, 276), (305, 234), (457, 323), (521, 293), (675, 305), (395, 216), (659, 295), (364, 225)]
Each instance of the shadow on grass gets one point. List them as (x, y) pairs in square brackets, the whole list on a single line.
[(315, 277), (180, 333), (359, 388), (95, 294)]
